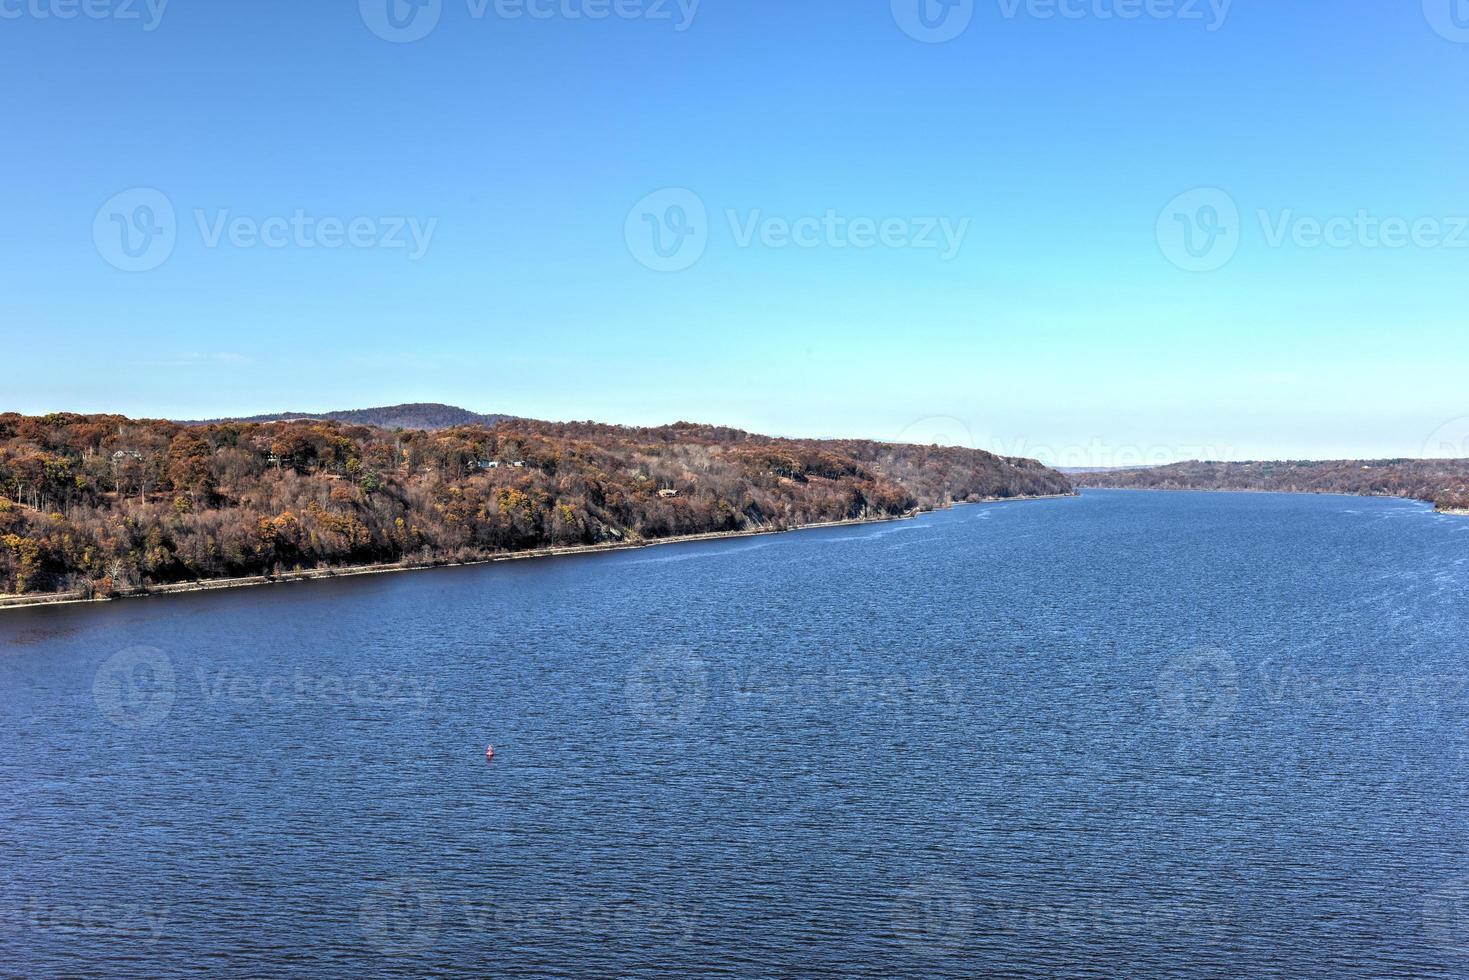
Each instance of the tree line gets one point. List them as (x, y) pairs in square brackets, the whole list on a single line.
[(106, 504), (1442, 482)]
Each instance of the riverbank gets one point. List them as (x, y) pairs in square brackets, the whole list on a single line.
[(346, 571)]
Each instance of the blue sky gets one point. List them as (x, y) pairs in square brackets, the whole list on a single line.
[(1071, 159)]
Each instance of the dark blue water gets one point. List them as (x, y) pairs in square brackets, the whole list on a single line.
[(1133, 734)]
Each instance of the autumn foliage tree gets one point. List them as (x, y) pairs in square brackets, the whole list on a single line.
[(108, 503)]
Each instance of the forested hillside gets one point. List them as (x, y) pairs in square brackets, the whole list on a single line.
[(1443, 482), (110, 504)]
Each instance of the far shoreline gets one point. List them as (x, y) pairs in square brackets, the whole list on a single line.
[(1451, 511), (347, 571)]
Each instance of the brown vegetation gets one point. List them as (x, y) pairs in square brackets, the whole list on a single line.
[(110, 504)]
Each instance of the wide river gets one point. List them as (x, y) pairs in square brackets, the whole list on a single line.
[(1130, 734)]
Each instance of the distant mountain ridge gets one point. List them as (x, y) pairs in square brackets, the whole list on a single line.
[(427, 416)]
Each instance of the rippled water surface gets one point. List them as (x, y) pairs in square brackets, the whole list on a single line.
[(1131, 734)]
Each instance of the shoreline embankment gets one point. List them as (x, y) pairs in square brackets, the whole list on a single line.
[(346, 571)]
